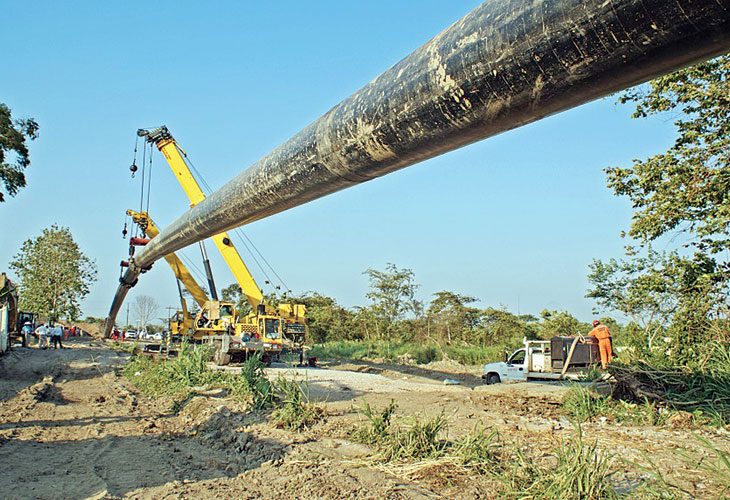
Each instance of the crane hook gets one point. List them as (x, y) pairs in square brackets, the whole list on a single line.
[(133, 167), (124, 231)]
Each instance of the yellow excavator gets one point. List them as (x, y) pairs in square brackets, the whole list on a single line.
[(233, 334)]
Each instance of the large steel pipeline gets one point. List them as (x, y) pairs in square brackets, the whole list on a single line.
[(505, 64)]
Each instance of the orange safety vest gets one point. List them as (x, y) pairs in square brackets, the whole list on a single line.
[(600, 332)]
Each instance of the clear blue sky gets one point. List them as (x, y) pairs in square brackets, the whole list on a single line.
[(513, 220)]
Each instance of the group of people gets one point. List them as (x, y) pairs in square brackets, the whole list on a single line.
[(48, 335)]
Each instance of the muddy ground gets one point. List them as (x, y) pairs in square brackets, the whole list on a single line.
[(71, 427)]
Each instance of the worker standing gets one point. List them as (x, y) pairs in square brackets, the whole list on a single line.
[(56, 336), (603, 336), (26, 333), (43, 334)]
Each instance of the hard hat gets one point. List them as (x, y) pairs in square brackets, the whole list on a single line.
[(595, 322)]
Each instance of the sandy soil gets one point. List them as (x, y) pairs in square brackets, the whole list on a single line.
[(71, 427)]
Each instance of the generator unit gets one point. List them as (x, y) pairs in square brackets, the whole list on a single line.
[(584, 354)]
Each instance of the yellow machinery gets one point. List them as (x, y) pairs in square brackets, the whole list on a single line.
[(181, 322), (219, 321)]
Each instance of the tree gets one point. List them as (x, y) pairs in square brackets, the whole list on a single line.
[(640, 288), (392, 293), (451, 316), (54, 274), (499, 327), (561, 323), (14, 154), (687, 188), (233, 293), (685, 191), (190, 302), (144, 308), (326, 319)]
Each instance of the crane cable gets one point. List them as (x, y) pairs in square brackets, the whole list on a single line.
[(239, 233), (149, 181), (144, 163)]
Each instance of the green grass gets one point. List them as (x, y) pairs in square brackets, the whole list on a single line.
[(701, 386), (132, 348), (420, 352), (176, 377), (577, 470), (296, 411), (580, 471), (378, 423), (662, 391), (583, 405)]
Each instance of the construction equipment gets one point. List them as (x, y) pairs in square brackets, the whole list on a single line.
[(11, 318), (503, 65), (181, 323), (266, 328), (216, 320)]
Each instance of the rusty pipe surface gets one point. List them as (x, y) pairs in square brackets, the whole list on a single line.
[(505, 64)]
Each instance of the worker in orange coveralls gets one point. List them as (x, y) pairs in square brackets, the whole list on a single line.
[(600, 332)]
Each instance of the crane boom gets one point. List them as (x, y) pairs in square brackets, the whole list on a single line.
[(143, 220), (174, 155)]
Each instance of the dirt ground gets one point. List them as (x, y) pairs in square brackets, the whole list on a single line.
[(71, 427)]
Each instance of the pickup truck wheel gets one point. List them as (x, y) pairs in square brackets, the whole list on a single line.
[(493, 379)]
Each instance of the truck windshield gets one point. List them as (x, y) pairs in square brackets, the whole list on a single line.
[(518, 358), (271, 328)]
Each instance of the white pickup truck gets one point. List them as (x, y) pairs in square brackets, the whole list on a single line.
[(535, 361)]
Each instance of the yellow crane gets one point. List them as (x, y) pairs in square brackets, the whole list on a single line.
[(218, 320), (181, 322)]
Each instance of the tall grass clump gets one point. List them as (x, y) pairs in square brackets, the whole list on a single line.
[(175, 376), (582, 405), (419, 439), (252, 382), (474, 355), (701, 384), (416, 441), (377, 425), (480, 450), (296, 410), (579, 471)]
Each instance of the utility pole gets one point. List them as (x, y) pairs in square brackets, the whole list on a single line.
[(127, 323), (169, 310)]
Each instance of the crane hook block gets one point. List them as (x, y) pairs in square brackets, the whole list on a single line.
[(140, 242)]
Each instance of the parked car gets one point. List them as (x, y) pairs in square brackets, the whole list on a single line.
[(130, 334)]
